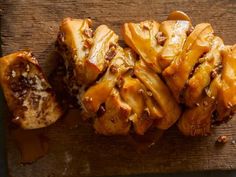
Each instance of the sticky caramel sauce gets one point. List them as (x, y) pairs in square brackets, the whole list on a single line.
[(32, 144)]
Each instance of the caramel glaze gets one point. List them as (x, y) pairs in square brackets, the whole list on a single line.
[(32, 144)]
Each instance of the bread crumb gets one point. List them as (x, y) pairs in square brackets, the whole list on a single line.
[(222, 139)]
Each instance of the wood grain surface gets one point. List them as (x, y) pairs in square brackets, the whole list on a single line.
[(33, 24)]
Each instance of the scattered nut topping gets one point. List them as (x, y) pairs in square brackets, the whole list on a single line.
[(213, 74), (113, 69), (141, 91), (201, 60), (233, 142), (13, 73), (113, 120), (145, 26), (111, 53), (27, 68), (205, 103), (197, 104), (222, 139), (120, 82), (16, 119), (88, 43), (147, 111), (219, 68), (24, 74), (160, 38), (61, 36), (229, 105), (34, 99), (88, 99), (149, 93), (88, 32)]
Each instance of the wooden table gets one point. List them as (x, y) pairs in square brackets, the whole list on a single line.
[(34, 24)]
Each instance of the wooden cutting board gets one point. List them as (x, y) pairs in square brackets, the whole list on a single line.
[(77, 152)]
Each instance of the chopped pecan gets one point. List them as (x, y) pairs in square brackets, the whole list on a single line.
[(111, 53), (88, 32), (160, 38), (222, 139), (88, 43), (113, 69)]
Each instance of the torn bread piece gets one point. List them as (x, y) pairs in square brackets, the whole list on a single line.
[(114, 116), (197, 120), (144, 108), (177, 73), (161, 93), (176, 33), (73, 43), (100, 91), (145, 39), (28, 94), (208, 68), (103, 50)]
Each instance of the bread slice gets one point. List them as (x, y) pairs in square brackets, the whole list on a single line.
[(28, 94)]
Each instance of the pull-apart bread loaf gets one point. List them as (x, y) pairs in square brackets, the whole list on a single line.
[(173, 72)]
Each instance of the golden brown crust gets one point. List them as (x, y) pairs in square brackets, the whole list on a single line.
[(141, 37), (176, 34)]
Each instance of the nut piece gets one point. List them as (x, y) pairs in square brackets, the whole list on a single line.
[(222, 139), (88, 43), (145, 26), (113, 69), (88, 32), (111, 53), (160, 38)]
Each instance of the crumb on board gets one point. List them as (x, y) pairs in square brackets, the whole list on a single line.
[(222, 139)]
